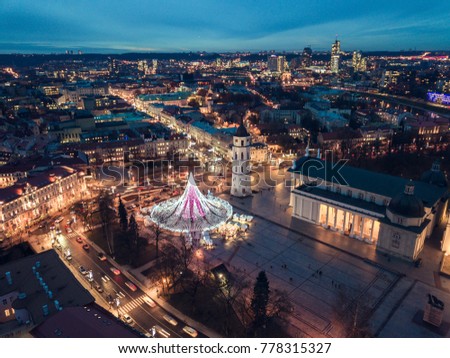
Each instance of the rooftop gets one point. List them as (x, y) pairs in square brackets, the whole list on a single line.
[(42, 279), (365, 180), (38, 180), (90, 321)]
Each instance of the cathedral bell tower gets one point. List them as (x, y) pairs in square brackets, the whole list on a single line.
[(240, 180)]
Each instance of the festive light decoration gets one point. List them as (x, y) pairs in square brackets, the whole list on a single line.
[(191, 213)]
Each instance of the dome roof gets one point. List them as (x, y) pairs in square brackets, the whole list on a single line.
[(407, 204), (435, 176), (241, 131)]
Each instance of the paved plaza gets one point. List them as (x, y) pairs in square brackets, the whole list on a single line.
[(313, 264), (311, 273), (316, 267)]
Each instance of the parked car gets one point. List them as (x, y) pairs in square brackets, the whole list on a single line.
[(170, 319), (127, 319), (161, 331), (101, 256), (131, 286), (191, 331), (149, 302), (86, 247), (79, 240), (115, 271), (82, 270)]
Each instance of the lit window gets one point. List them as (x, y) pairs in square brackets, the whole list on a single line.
[(7, 313)]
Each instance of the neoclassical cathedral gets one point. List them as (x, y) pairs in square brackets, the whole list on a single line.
[(393, 213)]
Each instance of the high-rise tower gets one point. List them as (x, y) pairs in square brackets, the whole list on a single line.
[(335, 56), (306, 57)]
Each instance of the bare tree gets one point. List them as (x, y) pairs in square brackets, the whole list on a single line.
[(169, 267), (186, 251), (157, 231), (353, 311), (231, 287)]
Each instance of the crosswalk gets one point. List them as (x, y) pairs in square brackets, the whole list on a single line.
[(137, 302), (72, 235)]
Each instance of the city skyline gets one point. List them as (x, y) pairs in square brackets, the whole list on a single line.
[(113, 27)]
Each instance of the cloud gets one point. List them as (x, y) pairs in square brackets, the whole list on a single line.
[(219, 25)]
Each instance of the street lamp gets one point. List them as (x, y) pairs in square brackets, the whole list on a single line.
[(117, 306)]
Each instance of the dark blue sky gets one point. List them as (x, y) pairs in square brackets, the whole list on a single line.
[(227, 25)]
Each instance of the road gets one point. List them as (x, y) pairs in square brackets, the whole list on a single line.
[(113, 286), (411, 102)]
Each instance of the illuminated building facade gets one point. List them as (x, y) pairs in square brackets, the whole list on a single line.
[(335, 56), (276, 63), (359, 63), (390, 212), (34, 198)]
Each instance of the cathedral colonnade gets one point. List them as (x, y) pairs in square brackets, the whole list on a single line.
[(346, 220)]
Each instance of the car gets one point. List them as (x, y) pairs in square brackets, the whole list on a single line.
[(86, 247), (52, 227), (79, 240), (170, 319), (191, 331), (101, 256), (58, 220), (131, 286), (68, 222), (127, 319), (69, 230), (149, 302), (105, 279), (68, 257), (98, 288), (115, 271), (161, 331), (82, 270), (72, 212), (58, 231)]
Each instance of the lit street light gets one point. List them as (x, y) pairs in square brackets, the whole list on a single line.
[(117, 306)]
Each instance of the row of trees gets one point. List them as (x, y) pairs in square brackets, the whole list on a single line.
[(129, 241)]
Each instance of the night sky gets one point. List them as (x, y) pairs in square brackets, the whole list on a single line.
[(43, 26)]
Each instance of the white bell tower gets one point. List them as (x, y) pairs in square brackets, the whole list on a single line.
[(240, 179)]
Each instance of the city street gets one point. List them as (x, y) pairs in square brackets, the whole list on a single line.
[(113, 287)]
